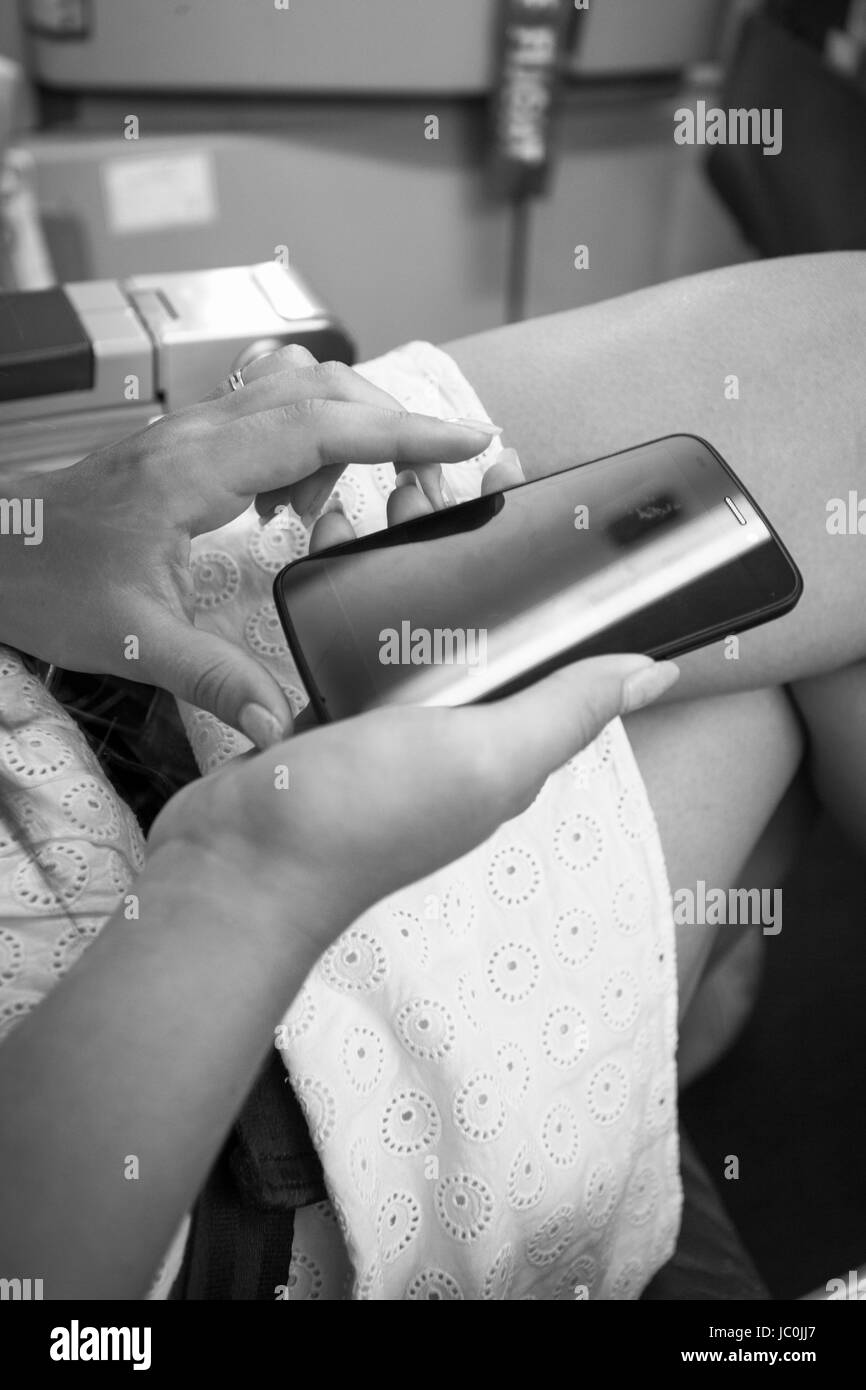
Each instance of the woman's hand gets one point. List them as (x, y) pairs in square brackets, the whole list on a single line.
[(332, 821), (109, 589), (347, 814)]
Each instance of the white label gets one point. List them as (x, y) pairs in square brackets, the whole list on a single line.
[(151, 192)]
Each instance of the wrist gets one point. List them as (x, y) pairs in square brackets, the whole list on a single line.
[(224, 886)]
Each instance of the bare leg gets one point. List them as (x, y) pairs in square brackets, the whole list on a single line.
[(710, 808), (586, 383), (583, 384)]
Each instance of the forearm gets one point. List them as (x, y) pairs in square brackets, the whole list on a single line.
[(118, 1090)]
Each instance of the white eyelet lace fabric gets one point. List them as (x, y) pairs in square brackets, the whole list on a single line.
[(487, 1059), (88, 845)]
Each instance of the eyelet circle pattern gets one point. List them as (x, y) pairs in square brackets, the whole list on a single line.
[(434, 1286), (301, 1017), (383, 477), (500, 1276), (620, 1000), (658, 971), (596, 756), (319, 1106), (304, 1282), (16, 1009), (628, 1282), (362, 1167), (410, 1123), (661, 1107), (513, 970), (70, 945), (565, 1036), (409, 933), (297, 700), (601, 1195), (55, 878), (479, 1111), (119, 871), (458, 909), (264, 633), (642, 1196), (398, 1222), (515, 1072), (607, 1093), (426, 1029), (578, 843), (560, 1137), (632, 816), (363, 1057), (40, 703), (212, 741), (351, 498), (631, 905), (34, 755), (552, 1238), (216, 579), (277, 544), (527, 1180), (575, 937), (368, 1285), (578, 1280), (464, 1205), (513, 876), (89, 807), (11, 954), (356, 964), (467, 998)]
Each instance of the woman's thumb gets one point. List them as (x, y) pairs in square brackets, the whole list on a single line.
[(551, 721), (213, 674)]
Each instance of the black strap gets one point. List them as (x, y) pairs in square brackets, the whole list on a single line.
[(240, 1240)]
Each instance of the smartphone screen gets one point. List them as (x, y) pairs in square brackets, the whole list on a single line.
[(658, 549)]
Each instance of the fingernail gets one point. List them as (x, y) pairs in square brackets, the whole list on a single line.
[(260, 726), (308, 516), (407, 478), (483, 426), (333, 504), (512, 458), (647, 684), (447, 494)]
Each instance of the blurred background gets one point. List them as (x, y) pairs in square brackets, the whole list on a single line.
[(356, 142), (301, 124)]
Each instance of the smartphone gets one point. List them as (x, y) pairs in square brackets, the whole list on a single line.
[(658, 549)]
